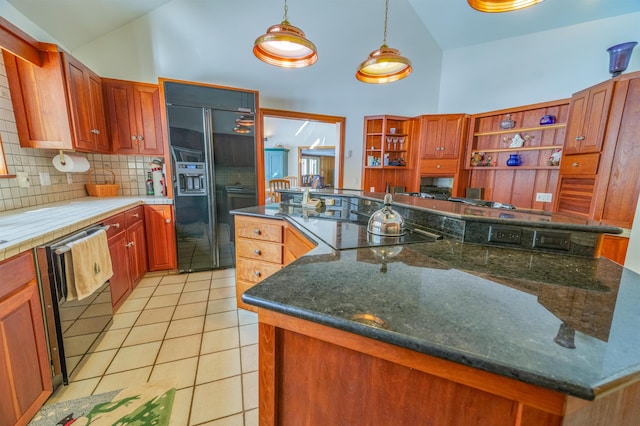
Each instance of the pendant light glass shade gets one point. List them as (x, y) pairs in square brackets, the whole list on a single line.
[(242, 129), (384, 65), (286, 46), (245, 120), (497, 6)]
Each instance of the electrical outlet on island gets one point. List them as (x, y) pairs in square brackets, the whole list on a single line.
[(545, 197)]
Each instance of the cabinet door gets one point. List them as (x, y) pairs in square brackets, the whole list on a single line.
[(137, 247), (148, 119), (80, 104), (122, 118), (98, 117), (119, 282), (588, 114), (450, 136), (430, 131), (25, 378), (161, 237)]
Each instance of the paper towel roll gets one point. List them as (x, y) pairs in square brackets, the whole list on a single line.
[(74, 163)]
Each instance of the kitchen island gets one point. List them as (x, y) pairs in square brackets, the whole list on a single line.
[(446, 332)]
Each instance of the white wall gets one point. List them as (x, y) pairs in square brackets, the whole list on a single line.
[(535, 68)]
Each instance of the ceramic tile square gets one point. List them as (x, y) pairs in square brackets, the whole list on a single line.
[(223, 282), (222, 293), (234, 420), (197, 286), (150, 316), (251, 418), (250, 390), (98, 310), (163, 301), (219, 340), (247, 317), (249, 357), (200, 276), (183, 371), (149, 281), (190, 310), (216, 400), (146, 333), (129, 358), (168, 289), (142, 292), (111, 339), (93, 365), (194, 296), (125, 320), (88, 325), (221, 320), (181, 407), (79, 345), (185, 327), (248, 334), (74, 390), (179, 348), (222, 305), (223, 273), (218, 365), (132, 305), (174, 279), (123, 379)]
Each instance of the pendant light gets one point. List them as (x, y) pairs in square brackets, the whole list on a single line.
[(245, 120), (497, 6), (385, 64), (242, 129), (285, 46)]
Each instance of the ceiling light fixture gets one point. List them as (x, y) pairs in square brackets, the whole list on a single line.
[(384, 65), (498, 6), (245, 120), (285, 46), (242, 129)]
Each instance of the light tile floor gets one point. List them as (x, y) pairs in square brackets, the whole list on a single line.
[(187, 327)]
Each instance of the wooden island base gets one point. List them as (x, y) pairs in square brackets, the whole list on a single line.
[(312, 374)]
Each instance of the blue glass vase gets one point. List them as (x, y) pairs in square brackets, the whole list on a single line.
[(619, 56), (514, 160)]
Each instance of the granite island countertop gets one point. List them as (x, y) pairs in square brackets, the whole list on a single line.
[(25, 228), (565, 323)]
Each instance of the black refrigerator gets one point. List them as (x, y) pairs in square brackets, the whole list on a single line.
[(213, 168)]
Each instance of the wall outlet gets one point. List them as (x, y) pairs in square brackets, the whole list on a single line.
[(23, 179), (545, 197), (45, 179)]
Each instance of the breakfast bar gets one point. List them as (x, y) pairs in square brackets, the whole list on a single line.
[(444, 331)]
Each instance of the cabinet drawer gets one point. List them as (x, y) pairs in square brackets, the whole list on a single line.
[(116, 224), (133, 215), (267, 230), (254, 270), (583, 164), (438, 166), (241, 287), (259, 250), (17, 272)]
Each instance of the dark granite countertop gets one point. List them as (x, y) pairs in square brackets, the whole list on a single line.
[(515, 313)]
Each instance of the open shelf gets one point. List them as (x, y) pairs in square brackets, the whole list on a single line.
[(523, 129), (514, 168), (527, 148)]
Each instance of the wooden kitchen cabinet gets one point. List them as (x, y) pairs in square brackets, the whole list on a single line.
[(441, 142), (387, 136), (588, 114), (127, 247), (25, 375), (58, 105), (295, 244), (161, 237), (135, 124), (488, 150)]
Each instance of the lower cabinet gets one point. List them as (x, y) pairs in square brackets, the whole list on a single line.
[(25, 376), (263, 247), (128, 250), (161, 237)]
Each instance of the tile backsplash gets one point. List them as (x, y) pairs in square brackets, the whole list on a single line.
[(130, 171)]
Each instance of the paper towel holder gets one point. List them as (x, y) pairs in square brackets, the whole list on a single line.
[(62, 158)]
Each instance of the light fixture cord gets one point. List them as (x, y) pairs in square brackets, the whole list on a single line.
[(386, 13), (286, 9)]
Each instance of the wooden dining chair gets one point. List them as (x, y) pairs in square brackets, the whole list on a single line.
[(293, 180), (274, 185)]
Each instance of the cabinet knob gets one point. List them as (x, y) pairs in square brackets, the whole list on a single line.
[(256, 273), (579, 138), (116, 225), (133, 137), (256, 231), (140, 138), (95, 131), (136, 215), (438, 166), (256, 252), (575, 164), (167, 221)]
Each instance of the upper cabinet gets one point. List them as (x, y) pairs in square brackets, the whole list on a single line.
[(588, 113), (134, 116), (58, 105)]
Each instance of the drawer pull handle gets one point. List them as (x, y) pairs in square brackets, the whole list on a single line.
[(257, 252), (256, 231), (579, 138), (575, 164), (438, 166), (256, 273)]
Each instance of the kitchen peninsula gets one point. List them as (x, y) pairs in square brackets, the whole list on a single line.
[(445, 331)]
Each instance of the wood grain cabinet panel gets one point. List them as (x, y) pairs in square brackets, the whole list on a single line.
[(295, 244), (25, 377), (581, 164), (134, 116), (161, 237)]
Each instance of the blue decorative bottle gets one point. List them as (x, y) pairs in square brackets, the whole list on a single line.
[(514, 160)]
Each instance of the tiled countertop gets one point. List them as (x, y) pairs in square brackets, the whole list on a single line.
[(510, 312), (26, 228)]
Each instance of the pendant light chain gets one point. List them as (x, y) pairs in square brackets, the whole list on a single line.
[(386, 13), (286, 9)]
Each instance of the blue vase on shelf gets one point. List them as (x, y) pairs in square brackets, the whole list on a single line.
[(514, 160)]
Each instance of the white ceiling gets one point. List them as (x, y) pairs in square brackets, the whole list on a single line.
[(452, 23)]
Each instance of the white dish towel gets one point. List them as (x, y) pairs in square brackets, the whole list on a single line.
[(90, 265)]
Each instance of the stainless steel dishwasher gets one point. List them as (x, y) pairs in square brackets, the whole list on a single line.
[(73, 327)]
